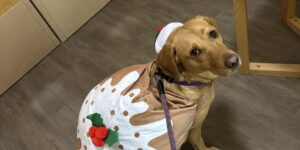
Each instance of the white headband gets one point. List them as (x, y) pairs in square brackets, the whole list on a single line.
[(164, 34)]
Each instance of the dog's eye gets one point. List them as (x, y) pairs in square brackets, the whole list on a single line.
[(213, 34), (195, 52)]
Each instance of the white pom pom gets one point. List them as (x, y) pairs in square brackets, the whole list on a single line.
[(164, 34)]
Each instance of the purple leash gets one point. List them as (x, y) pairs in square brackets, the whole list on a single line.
[(160, 87), (163, 99)]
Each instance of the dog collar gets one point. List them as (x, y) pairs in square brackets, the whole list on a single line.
[(171, 80)]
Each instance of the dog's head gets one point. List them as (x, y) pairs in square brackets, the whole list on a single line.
[(196, 52)]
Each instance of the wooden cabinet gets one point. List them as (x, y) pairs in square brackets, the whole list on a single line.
[(30, 29), (66, 16), (24, 40)]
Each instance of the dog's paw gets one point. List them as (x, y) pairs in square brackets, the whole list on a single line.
[(206, 148), (213, 148)]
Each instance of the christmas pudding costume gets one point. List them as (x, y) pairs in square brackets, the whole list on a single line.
[(124, 112)]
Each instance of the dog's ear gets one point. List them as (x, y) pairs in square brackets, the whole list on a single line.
[(166, 60), (210, 20)]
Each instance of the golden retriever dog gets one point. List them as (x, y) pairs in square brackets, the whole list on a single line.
[(124, 111), (196, 52)]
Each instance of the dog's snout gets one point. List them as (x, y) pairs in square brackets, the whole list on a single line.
[(231, 61)]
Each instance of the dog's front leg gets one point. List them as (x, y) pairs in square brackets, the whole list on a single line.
[(195, 135)]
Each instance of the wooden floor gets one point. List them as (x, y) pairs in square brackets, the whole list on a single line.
[(249, 113)]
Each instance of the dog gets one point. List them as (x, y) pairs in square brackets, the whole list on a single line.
[(124, 110)]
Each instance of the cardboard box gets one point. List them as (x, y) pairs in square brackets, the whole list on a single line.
[(24, 40), (67, 16), (6, 5)]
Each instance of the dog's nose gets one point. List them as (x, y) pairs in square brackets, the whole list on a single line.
[(231, 61)]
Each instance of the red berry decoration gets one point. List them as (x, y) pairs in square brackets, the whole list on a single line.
[(92, 131), (101, 132), (98, 142)]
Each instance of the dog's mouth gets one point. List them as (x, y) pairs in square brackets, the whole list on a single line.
[(223, 71), (227, 71), (207, 76), (234, 70)]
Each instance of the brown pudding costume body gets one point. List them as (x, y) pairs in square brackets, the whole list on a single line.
[(193, 52)]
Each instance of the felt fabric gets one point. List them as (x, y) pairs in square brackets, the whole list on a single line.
[(130, 105), (164, 34)]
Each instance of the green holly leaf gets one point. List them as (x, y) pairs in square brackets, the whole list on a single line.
[(112, 138), (96, 119)]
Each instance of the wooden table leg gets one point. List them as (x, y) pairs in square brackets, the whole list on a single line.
[(258, 68), (289, 15), (240, 15)]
